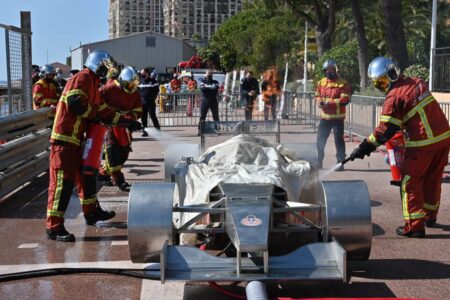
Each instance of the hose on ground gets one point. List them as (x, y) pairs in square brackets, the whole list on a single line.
[(67, 271)]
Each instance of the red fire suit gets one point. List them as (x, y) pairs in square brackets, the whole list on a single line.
[(80, 103), (175, 85), (332, 97), (410, 106), (45, 94), (118, 140)]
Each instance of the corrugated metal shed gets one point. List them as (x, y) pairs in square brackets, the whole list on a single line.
[(146, 49)]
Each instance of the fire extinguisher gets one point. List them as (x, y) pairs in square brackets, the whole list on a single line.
[(92, 149), (122, 136), (396, 149)]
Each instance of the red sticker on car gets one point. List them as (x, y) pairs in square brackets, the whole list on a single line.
[(251, 220)]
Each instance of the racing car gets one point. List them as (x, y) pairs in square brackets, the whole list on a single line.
[(248, 209)]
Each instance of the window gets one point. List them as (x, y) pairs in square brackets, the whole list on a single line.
[(150, 41)]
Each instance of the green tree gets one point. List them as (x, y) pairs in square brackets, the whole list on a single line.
[(320, 15), (256, 37)]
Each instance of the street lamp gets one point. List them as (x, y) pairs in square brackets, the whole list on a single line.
[(432, 43)]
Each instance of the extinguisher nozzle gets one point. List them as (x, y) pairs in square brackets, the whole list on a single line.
[(346, 160)]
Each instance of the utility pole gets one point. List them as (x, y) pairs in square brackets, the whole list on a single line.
[(433, 43), (305, 66)]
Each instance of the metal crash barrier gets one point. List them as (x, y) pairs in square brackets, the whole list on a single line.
[(24, 144)]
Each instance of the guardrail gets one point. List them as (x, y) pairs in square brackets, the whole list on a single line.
[(24, 154)]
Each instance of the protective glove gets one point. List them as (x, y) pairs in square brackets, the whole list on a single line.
[(365, 148), (134, 126)]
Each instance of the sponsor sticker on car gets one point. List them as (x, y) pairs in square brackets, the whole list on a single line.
[(251, 220)]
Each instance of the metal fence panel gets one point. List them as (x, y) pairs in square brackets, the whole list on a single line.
[(15, 79), (183, 109), (441, 70)]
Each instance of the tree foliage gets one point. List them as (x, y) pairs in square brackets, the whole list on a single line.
[(256, 38), (271, 32), (417, 71)]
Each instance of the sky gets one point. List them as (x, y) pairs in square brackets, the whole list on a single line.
[(57, 26)]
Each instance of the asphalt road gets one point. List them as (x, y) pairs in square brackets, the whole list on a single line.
[(397, 267)]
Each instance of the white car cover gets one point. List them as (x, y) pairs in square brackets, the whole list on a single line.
[(245, 159)]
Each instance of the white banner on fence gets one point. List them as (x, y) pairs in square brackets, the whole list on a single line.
[(281, 111)]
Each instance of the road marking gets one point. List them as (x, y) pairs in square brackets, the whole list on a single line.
[(28, 246), (119, 243), (154, 290)]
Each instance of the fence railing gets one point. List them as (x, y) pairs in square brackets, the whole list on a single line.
[(15, 77), (183, 109), (362, 115), (441, 70), (24, 144)]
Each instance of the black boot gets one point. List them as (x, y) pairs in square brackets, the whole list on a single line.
[(60, 234), (413, 234), (99, 215), (124, 186), (430, 223)]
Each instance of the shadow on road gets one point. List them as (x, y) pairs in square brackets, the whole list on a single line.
[(150, 159), (377, 230), (374, 203), (368, 170), (399, 269), (295, 289), (103, 238), (142, 172), (326, 289)]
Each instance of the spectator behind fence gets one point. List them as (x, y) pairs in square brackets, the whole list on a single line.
[(73, 72), (191, 87), (149, 89), (270, 89), (249, 91), (35, 73), (209, 88), (60, 80)]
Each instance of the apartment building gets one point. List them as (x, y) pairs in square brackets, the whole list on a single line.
[(133, 16), (186, 19)]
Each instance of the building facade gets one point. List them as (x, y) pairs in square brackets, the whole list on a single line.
[(132, 16), (197, 19), (185, 19)]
